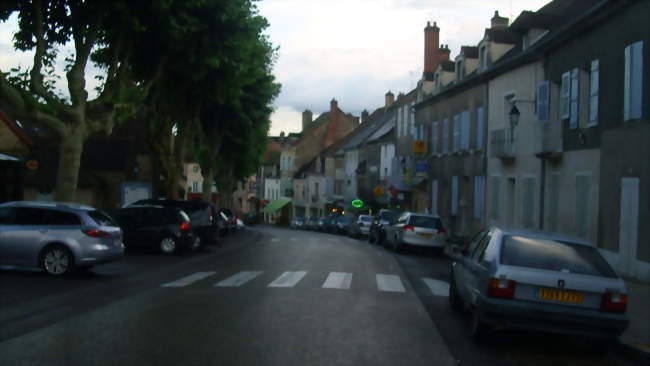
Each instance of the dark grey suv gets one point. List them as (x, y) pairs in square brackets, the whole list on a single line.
[(56, 237)]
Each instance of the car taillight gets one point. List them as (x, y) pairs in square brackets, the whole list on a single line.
[(613, 303), (96, 233), (210, 215), (409, 227), (442, 231), (185, 226), (501, 287)]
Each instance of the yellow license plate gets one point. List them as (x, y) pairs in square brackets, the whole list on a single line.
[(561, 295), (426, 235)]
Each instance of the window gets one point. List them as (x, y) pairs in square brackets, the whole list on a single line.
[(399, 122), (425, 222), (483, 57), (456, 132), (434, 137), (565, 96), (480, 248), (528, 202), (445, 135), (195, 186), (195, 168), (583, 206), (434, 197), (412, 117), (543, 93), (575, 95), (464, 131), (454, 195), (594, 80), (633, 95), (405, 121), (5, 216), (480, 127), (475, 241), (478, 197), (459, 67), (54, 217), (496, 189)]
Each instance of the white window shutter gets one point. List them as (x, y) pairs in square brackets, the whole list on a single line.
[(542, 101), (456, 132), (445, 135), (480, 126), (594, 80), (434, 197), (434, 137), (565, 96), (575, 97), (464, 131), (478, 197), (454, 195)]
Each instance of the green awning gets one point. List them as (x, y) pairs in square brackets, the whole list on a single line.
[(275, 205)]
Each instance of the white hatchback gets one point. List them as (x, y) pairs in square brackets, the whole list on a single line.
[(417, 230)]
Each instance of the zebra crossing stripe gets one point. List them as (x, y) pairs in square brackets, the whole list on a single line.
[(189, 279), (238, 279), (389, 283), (437, 287), (338, 280), (288, 279)]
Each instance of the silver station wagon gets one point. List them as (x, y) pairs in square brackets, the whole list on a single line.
[(416, 229), (56, 237), (537, 281)]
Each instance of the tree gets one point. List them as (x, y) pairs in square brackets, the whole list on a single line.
[(113, 32)]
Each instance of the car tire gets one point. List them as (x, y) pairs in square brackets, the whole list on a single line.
[(57, 260), (454, 299), (168, 245)]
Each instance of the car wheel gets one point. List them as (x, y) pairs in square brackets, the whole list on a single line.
[(480, 331), (454, 298), (57, 260), (196, 245), (168, 245)]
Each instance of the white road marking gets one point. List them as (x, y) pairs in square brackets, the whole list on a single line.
[(437, 287), (339, 280), (389, 283), (275, 239), (288, 279), (238, 279), (189, 279)]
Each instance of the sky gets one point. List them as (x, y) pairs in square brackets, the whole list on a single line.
[(351, 50)]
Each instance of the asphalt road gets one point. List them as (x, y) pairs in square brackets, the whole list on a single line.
[(265, 297)]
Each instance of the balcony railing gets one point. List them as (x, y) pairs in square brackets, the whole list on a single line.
[(502, 143)]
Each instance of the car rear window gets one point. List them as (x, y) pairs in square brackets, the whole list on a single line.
[(198, 216), (344, 219), (388, 215), (365, 218), (554, 255), (425, 221), (101, 219)]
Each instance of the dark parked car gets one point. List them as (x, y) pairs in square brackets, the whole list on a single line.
[(202, 216), (57, 237), (385, 217), (312, 223), (167, 229), (343, 224)]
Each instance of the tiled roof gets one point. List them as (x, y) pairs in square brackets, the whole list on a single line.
[(531, 20), (498, 35), (469, 51)]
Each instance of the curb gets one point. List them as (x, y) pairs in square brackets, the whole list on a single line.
[(636, 351)]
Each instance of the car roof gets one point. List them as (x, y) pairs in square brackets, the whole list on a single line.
[(540, 234), (55, 205), (424, 215)]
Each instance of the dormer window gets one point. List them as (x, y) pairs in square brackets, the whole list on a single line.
[(459, 70), (525, 42), (483, 57)]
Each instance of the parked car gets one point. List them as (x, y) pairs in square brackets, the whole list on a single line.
[(165, 228), (385, 217), (250, 218), (57, 237), (312, 223), (322, 224), (330, 223), (343, 224), (231, 220), (202, 216), (520, 279), (360, 226), (240, 225), (417, 230), (298, 223)]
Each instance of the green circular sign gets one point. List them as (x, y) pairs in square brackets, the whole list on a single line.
[(357, 203)]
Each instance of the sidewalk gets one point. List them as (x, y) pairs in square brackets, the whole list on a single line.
[(637, 334)]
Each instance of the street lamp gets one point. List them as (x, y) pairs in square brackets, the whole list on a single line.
[(514, 120)]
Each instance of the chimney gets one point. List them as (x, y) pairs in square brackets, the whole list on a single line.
[(364, 116), (499, 22), (390, 98), (431, 45), (334, 121), (306, 118)]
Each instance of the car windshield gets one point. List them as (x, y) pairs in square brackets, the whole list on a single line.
[(425, 222), (101, 218), (555, 255)]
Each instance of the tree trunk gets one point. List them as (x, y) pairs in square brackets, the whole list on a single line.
[(208, 182), (176, 162), (70, 149)]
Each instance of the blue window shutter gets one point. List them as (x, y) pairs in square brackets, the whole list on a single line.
[(575, 98), (478, 197), (594, 81), (565, 96), (627, 94), (464, 131), (454, 195), (480, 126)]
